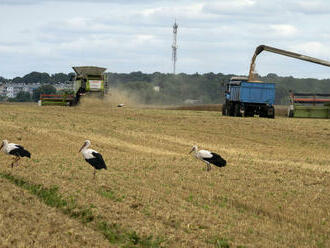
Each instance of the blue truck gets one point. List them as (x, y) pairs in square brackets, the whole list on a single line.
[(245, 98), (249, 97)]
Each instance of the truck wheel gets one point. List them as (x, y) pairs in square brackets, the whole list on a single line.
[(248, 112), (237, 110), (263, 112), (229, 109), (290, 113), (224, 109), (271, 112)]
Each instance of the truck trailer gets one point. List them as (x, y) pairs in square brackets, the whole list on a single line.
[(244, 98)]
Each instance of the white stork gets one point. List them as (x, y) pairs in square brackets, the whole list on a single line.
[(94, 158), (208, 157), (15, 150)]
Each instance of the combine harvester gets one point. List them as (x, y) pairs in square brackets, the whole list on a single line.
[(89, 80), (309, 105), (249, 97)]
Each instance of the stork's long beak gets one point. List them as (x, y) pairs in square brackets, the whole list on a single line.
[(191, 151), (82, 147), (1, 146)]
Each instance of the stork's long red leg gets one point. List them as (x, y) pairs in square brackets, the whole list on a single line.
[(16, 161), (13, 162)]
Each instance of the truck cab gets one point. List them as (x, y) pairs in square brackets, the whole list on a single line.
[(246, 98)]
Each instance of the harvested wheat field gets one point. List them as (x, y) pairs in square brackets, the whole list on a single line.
[(274, 192)]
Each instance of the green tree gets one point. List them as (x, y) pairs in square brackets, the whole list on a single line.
[(59, 77), (23, 96), (44, 89), (37, 77), (18, 80), (3, 80), (2, 98)]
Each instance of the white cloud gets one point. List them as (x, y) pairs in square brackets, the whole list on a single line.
[(76, 25), (28, 2), (283, 29), (314, 48), (225, 7), (314, 7), (213, 35)]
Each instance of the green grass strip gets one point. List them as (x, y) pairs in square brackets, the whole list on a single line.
[(114, 233)]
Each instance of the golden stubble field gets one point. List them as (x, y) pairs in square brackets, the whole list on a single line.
[(275, 191)]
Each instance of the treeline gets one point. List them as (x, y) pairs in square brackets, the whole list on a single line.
[(301, 85), (39, 77), (173, 89), (161, 88), (206, 88)]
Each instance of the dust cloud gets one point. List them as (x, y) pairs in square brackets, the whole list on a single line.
[(112, 99)]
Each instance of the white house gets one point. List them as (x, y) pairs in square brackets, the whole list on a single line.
[(11, 90), (156, 88)]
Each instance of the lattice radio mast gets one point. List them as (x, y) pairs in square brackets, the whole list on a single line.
[(174, 45)]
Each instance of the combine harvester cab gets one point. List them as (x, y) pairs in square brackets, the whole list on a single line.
[(244, 98), (308, 105)]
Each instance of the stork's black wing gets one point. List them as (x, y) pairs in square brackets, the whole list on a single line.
[(98, 161), (216, 159), (20, 151)]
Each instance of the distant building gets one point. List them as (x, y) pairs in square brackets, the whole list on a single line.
[(156, 88), (63, 86), (2, 86), (192, 101), (11, 90), (31, 87)]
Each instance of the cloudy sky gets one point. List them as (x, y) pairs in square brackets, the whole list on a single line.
[(136, 35)]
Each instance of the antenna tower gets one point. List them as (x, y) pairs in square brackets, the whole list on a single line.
[(174, 45)]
